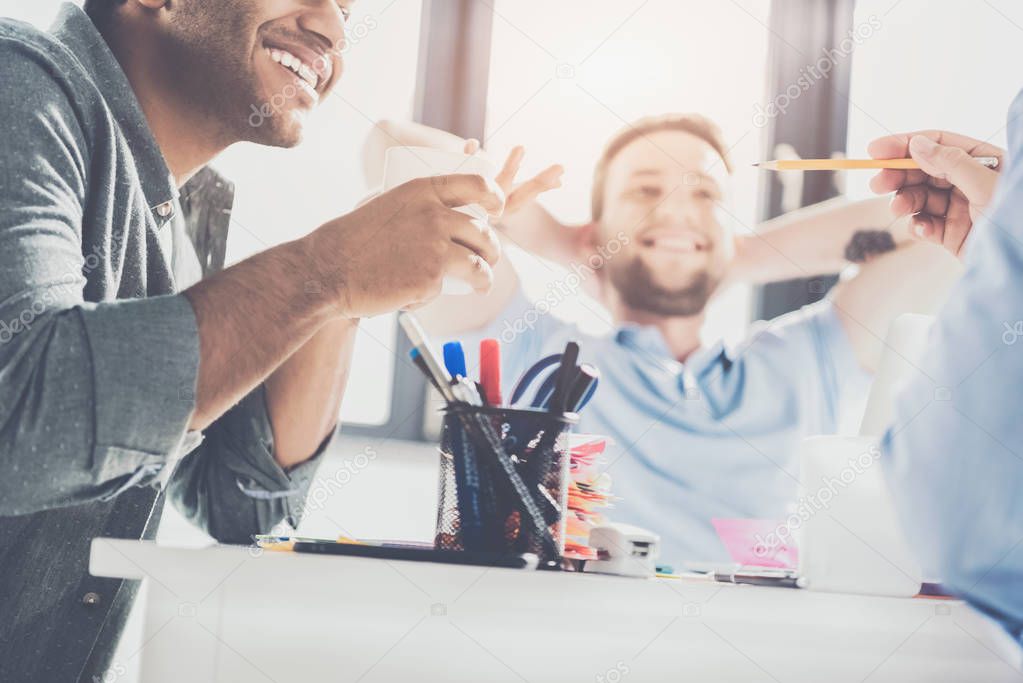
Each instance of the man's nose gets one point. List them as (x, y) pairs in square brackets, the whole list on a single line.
[(679, 211)]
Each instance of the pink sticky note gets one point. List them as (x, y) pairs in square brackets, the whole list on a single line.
[(757, 542)]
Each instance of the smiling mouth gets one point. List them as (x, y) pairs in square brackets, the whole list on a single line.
[(681, 243), (306, 76)]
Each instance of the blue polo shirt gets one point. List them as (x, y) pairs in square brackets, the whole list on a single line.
[(716, 436)]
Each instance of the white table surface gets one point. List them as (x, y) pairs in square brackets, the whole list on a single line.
[(235, 614)]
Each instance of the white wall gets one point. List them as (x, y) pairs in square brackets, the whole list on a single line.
[(947, 64)]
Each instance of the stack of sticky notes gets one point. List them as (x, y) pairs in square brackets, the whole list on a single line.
[(589, 494)]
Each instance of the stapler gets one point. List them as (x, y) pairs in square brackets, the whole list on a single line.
[(624, 550)]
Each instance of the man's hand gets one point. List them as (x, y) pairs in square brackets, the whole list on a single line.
[(526, 223), (950, 191), (394, 251), (522, 194)]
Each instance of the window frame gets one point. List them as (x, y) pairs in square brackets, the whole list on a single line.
[(821, 111)]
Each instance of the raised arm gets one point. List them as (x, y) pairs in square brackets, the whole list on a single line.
[(914, 278), (391, 253), (810, 241), (524, 224)]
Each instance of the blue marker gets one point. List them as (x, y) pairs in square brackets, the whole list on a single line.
[(454, 359)]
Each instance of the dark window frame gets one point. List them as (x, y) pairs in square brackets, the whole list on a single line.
[(816, 124)]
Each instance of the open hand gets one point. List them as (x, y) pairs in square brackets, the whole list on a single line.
[(521, 194)]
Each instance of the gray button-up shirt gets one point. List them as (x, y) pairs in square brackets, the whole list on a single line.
[(99, 355)]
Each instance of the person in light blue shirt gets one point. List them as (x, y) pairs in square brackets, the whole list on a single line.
[(700, 431), (953, 457)]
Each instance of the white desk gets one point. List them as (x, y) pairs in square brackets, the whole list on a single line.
[(230, 614)]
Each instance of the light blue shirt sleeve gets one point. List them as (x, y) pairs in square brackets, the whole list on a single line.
[(954, 455)]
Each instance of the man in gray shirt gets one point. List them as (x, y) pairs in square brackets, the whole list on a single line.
[(119, 377)]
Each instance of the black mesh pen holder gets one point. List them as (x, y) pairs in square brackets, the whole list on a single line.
[(479, 506)]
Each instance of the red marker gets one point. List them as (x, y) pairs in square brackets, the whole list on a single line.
[(490, 371)]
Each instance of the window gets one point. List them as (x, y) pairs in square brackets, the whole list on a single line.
[(565, 76), (948, 57)]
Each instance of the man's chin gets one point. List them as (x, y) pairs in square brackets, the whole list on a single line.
[(677, 294), (286, 129)]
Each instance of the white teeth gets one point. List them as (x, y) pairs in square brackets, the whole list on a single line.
[(309, 75), (681, 243), (304, 71), (309, 90)]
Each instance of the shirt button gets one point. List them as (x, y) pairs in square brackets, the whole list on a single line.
[(164, 210), (91, 599)]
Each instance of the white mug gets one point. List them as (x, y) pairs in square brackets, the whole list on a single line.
[(849, 536), (402, 164)]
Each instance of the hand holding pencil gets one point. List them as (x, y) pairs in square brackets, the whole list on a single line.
[(948, 192)]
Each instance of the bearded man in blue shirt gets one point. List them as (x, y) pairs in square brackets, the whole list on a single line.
[(700, 431)]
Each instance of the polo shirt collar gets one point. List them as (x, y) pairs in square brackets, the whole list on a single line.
[(75, 30), (649, 340)]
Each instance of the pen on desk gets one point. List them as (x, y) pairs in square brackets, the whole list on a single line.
[(851, 164), (780, 580), (490, 371)]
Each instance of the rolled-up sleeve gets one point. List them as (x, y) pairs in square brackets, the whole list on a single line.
[(91, 394), (232, 486)]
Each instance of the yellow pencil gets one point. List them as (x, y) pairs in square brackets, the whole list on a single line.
[(849, 164)]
